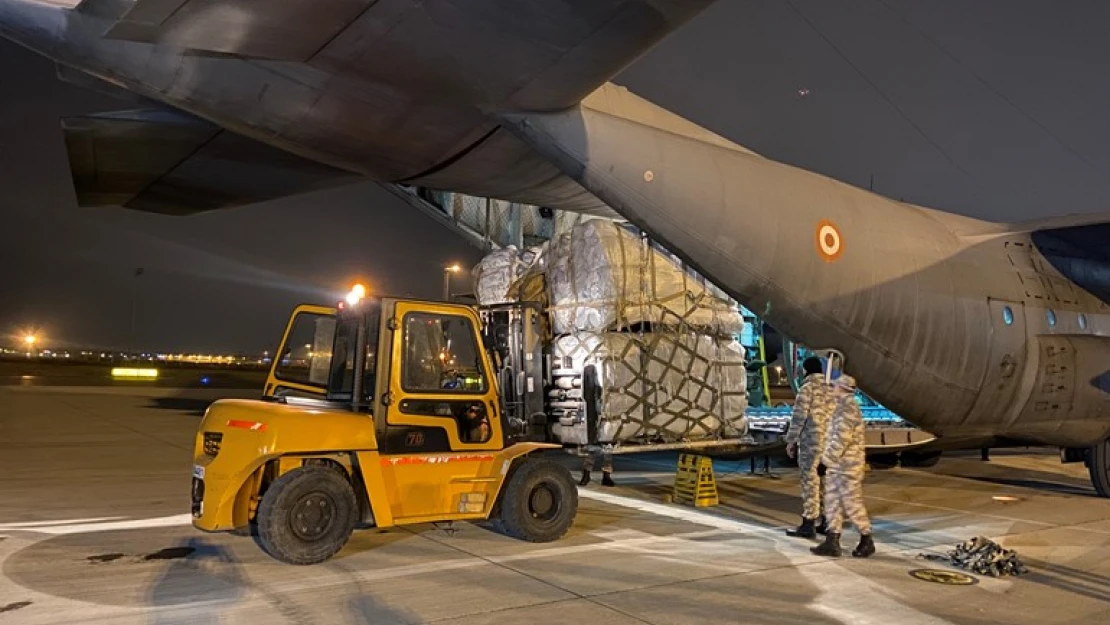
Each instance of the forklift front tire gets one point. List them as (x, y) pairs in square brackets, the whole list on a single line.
[(307, 515), (539, 502)]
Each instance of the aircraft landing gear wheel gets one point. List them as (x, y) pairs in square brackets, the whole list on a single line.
[(1098, 463), (307, 515), (539, 502)]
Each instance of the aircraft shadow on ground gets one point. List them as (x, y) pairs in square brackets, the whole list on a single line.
[(1029, 478), (204, 580), (189, 405), (1070, 580), (1039, 484)]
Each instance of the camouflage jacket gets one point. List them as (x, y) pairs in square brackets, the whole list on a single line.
[(813, 408), (845, 449)]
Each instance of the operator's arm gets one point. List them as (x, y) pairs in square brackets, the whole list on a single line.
[(802, 404), (839, 435)]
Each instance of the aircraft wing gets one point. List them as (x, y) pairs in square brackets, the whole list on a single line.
[(174, 164), (530, 54), (288, 31)]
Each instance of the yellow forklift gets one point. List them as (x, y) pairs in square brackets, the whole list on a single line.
[(383, 412)]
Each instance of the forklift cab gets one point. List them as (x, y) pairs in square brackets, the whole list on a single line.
[(424, 378)]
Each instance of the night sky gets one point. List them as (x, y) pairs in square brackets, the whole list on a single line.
[(994, 109)]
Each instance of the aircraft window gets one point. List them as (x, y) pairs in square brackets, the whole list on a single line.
[(1008, 315), (306, 355), (1082, 321), (441, 356), (1051, 317)]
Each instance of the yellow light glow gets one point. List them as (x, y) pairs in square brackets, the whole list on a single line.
[(358, 292), (130, 372), (30, 339), (454, 268)]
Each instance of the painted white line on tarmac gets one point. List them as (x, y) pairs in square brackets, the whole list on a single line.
[(843, 595), (87, 526), (36, 524)]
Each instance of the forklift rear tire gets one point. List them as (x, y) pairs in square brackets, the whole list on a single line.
[(539, 503), (307, 515)]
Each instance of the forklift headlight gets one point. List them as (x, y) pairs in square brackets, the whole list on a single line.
[(358, 292)]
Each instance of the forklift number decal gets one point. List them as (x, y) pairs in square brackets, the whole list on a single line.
[(396, 460), (414, 439), (830, 244)]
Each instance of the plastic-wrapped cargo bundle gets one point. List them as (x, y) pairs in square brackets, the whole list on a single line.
[(655, 387), (602, 278), (497, 273), (617, 359), (700, 385), (494, 274)]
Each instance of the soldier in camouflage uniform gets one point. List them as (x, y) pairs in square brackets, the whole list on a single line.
[(844, 457), (806, 438), (606, 468)]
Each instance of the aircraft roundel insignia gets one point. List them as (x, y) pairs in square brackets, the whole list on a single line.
[(830, 243)]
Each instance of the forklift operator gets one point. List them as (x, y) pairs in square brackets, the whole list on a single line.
[(475, 424)]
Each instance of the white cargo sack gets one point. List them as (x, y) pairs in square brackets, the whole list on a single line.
[(603, 278), (494, 274)]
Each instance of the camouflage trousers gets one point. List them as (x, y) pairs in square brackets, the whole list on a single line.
[(813, 486), (844, 500), (606, 462)]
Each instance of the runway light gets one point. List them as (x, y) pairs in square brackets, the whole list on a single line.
[(134, 373)]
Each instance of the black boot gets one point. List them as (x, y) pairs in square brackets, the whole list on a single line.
[(866, 547), (805, 530), (831, 546), (607, 479), (822, 525), (585, 478)]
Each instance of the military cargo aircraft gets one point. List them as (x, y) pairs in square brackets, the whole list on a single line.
[(984, 334)]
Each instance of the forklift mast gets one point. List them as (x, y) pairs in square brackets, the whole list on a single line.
[(513, 336)]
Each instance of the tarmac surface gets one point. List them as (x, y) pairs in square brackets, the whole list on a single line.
[(94, 529)]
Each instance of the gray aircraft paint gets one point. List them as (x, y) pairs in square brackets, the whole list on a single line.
[(397, 90), (913, 297)]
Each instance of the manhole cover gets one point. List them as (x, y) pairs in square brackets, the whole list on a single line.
[(948, 578)]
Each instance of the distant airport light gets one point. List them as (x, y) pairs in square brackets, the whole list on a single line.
[(358, 292), (30, 340), (134, 373), (447, 271)]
